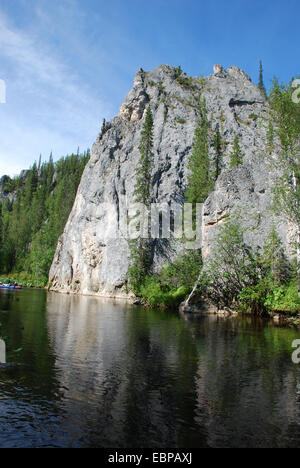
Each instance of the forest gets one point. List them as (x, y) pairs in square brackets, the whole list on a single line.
[(34, 209)]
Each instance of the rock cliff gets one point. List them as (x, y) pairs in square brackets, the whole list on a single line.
[(89, 259)]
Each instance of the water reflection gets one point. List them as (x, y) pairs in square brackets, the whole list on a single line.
[(97, 373), (2, 352), (121, 365), (248, 391)]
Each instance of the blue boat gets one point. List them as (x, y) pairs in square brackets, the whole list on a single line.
[(5, 286)]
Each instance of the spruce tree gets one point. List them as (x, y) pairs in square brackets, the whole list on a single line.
[(142, 189), (261, 85), (36, 217), (218, 145), (199, 179), (236, 157), (286, 117), (140, 249), (274, 259)]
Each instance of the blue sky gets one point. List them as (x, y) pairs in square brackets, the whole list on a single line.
[(68, 64)]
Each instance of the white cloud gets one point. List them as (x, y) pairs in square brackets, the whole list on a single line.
[(48, 106)]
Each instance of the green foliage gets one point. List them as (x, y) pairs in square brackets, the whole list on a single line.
[(236, 157), (253, 116), (155, 294), (181, 121), (270, 297), (285, 115), (185, 81), (140, 264), (253, 299), (184, 271), (142, 191), (174, 283), (178, 71), (160, 87), (140, 249), (202, 81), (250, 281), (23, 279), (261, 85), (30, 226), (232, 267), (218, 146), (200, 180), (273, 258), (284, 298), (11, 185), (104, 129)]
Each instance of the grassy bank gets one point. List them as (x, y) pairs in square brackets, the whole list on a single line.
[(260, 282), (23, 279), (273, 299)]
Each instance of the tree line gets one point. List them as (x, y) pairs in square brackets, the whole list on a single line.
[(33, 215)]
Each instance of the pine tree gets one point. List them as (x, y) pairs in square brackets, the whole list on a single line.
[(199, 179), (40, 163), (142, 189), (218, 145), (261, 85), (286, 117), (31, 224), (140, 249), (103, 130), (274, 258), (236, 157), (178, 71)]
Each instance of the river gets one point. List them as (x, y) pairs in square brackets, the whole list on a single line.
[(92, 372)]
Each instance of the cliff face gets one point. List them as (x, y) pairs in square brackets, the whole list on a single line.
[(89, 259)]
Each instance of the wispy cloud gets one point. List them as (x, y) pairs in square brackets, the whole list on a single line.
[(48, 104)]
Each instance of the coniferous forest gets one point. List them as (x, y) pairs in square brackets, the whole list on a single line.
[(33, 212)]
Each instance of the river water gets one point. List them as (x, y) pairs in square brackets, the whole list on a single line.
[(90, 372)]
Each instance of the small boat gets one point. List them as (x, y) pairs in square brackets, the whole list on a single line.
[(8, 286)]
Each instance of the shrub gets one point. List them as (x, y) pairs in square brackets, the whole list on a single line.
[(185, 81), (156, 294), (284, 298), (174, 283)]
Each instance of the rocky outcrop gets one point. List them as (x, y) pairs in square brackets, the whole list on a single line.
[(89, 258)]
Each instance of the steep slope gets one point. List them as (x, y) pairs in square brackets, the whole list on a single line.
[(89, 259)]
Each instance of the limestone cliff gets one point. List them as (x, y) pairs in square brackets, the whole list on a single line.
[(89, 259)]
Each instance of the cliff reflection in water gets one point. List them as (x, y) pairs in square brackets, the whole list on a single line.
[(125, 372), (136, 377)]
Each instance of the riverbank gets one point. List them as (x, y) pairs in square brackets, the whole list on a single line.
[(156, 300), (283, 319), (23, 279)]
